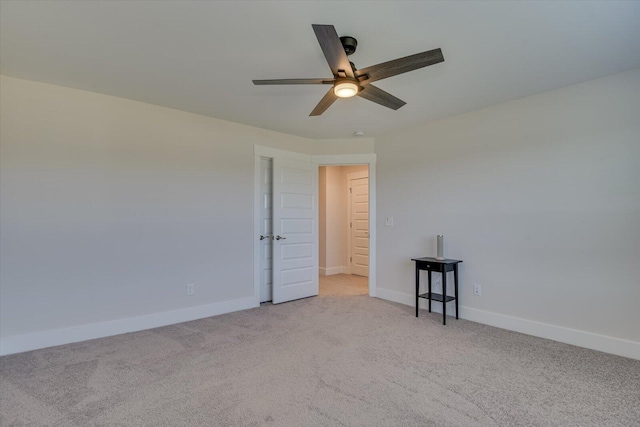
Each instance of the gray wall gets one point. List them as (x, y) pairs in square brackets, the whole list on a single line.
[(110, 207), (540, 197)]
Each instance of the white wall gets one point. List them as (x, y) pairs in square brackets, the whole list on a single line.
[(540, 197), (355, 145), (109, 207), (334, 227)]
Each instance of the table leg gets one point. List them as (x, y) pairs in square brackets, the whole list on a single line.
[(455, 280), (417, 286), (429, 290), (444, 296)]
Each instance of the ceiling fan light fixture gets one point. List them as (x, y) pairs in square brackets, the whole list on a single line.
[(345, 89)]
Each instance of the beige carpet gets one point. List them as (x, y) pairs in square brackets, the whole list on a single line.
[(341, 358)]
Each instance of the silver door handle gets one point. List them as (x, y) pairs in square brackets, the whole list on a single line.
[(280, 238), (266, 236)]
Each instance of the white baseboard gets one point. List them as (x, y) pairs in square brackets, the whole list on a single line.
[(575, 337), (333, 270), (37, 340)]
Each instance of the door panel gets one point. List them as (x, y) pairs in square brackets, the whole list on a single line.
[(295, 220), (359, 226)]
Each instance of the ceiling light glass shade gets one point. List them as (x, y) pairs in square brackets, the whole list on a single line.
[(345, 89)]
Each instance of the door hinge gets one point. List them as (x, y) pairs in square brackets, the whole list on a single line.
[(350, 259), (350, 190)]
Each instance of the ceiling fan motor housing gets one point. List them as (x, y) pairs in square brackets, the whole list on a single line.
[(349, 44)]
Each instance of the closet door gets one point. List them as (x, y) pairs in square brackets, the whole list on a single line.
[(359, 224), (295, 230)]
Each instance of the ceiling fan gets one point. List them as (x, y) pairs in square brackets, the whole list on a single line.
[(348, 81)]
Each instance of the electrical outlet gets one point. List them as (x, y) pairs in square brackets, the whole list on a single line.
[(191, 289), (477, 290), (388, 221)]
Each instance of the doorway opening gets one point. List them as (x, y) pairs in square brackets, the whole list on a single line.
[(344, 285), (343, 201)]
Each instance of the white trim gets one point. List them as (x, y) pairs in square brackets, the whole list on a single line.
[(334, 270), (359, 159), (575, 337), (50, 338), (259, 150), (349, 201)]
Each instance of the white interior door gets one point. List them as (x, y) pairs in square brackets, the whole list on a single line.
[(359, 224), (295, 230), (266, 220)]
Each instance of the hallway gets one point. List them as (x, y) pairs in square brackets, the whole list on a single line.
[(344, 284)]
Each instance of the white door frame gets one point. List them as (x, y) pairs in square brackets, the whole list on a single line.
[(266, 293), (323, 160), (360, 159)]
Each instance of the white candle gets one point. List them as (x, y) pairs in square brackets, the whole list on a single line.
[(440, 250)]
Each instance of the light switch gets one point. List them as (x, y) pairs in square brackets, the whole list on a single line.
[(388, 221)]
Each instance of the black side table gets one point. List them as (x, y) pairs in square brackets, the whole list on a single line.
[(439, 266)]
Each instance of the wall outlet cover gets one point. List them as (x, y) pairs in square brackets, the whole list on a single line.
[(191, 289), (477, 290)]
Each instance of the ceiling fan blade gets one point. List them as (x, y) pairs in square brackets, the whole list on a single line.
[(294, 82), (399, 66), (326, 101), (333, 50), (379, 96)]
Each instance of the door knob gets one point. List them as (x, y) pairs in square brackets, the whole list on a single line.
[(280, 238), (266, 236)]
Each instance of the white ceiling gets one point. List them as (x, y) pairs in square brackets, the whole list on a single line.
[(201, 56)]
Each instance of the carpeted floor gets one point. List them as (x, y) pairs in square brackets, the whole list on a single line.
[(341, 358)]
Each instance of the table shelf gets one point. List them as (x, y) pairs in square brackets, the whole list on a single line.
[(436, 297)]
